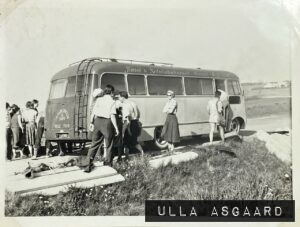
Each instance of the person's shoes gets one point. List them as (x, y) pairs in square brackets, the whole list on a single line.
[(105, 163), (89, 168), (34, 157), (61, 154)]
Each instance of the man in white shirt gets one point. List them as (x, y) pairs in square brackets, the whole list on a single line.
[(131, 128), (103, 124)]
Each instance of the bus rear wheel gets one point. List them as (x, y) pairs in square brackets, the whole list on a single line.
[(235, 126), (158, 141)]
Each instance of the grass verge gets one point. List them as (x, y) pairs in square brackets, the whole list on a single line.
[(253, 174)]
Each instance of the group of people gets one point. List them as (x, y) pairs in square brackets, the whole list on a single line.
[(23, 129), (114, 124)]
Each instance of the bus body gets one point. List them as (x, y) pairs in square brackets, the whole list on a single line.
[(69, 105)]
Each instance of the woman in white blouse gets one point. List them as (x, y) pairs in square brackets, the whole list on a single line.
[(170, 132)]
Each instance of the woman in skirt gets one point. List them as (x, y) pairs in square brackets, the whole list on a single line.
[(17, 130), (29, 116), (170, 131)]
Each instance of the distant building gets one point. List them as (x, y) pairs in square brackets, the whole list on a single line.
[(280, 84)]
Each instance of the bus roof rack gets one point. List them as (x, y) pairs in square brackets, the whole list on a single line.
[(101, 59)]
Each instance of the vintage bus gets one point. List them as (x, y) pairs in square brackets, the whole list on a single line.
[(69, 105)]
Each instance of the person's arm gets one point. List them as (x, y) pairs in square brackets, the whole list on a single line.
[(138, 113), (172, 106), (92, 118), (92, 122), (165, 109), (113, 119), (114, 122), (219, 106), (208, 108), (35, 118), (128, 126), (20, 122)]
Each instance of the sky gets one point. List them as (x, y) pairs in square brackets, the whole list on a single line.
[(256, 39)]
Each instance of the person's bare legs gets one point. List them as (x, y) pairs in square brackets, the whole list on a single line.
[(172, 148), (211, 133), (13, 154), (221, 129), (30, 148), (34, 153), (139, 148)]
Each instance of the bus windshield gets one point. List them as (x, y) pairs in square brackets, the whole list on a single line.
[(58, 89)]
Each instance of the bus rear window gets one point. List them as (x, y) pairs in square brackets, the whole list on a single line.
[(116, 80), (136, 84), (80, 85), (71, 87), (58, 89), (159, 85)]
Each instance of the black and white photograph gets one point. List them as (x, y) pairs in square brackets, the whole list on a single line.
[(161, 111)]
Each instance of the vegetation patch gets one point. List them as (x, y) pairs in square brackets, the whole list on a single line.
[(253, 173)]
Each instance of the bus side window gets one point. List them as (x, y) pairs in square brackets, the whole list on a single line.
[(220, 84), (116, 80), (233, 87), (159, 85), (207, 87), (193, 86), (136, 84)]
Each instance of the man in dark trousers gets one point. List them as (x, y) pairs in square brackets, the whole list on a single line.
[(103, 124)]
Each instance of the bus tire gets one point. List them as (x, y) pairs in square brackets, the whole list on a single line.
[(158, 141), (235, 125)]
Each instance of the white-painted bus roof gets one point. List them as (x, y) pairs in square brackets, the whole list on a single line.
[(115, 67)]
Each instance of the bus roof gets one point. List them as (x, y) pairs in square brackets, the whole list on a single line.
[(116, 67)]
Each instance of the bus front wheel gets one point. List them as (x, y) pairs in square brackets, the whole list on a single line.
[(159, 142), (235, 126)]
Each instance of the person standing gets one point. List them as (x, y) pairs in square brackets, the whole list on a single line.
[(225, 103), (8, 131), (118, 140), (170, 131), (40, 127), (17, 130), (103, 123), (131, 128), (214, 109), (30, 116)]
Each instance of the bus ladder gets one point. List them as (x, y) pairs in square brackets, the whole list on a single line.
[(81, 100)]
